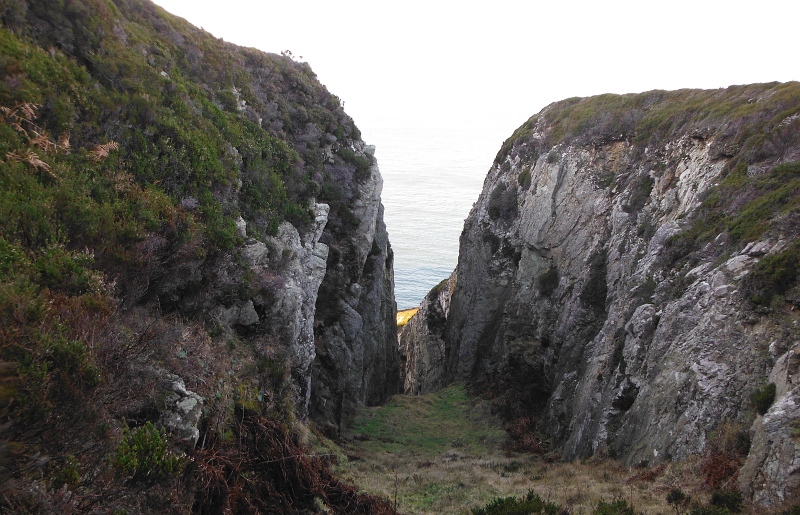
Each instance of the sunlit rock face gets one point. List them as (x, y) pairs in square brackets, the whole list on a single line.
[(609, 279)]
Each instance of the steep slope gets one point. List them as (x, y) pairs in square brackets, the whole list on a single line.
[(628, 278), (185, 226)]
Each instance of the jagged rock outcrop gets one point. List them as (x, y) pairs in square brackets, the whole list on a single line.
[(357, 360), (422, 341), (625, 270), (770, 474), (190, 223)]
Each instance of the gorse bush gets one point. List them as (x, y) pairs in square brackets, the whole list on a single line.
[(651, 118), (532, 503), (548, 281), (145, 453), (764, 397)]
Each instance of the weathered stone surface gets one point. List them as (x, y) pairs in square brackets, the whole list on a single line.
[(771, 474), (183, 410), (422, 341), (357, 359), (291, 306), (569, 308)]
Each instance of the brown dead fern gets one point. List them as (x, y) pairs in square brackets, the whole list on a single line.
[(32, 159), (21, 118), (100, 152)]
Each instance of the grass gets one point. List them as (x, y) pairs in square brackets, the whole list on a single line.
[(444, 453), (404, 316)]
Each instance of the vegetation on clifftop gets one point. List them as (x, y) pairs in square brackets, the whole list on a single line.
[(752, 120), (130, 143)]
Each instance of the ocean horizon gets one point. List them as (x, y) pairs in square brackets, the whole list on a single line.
[(432, 176)]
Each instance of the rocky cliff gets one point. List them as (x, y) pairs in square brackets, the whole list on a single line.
[(628, 279), (192, 258)]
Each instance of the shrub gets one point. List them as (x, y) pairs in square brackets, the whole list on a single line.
[(532, 503), (618, 507), (68, 474), (362, 163), (763, 398), (730, 500), (678, 500), (503, 203), (524, 179), (595, 289), (728, 445), (774, 275), (144, 453), (548, 281)]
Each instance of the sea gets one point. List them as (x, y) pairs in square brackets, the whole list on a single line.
[(433, 172)]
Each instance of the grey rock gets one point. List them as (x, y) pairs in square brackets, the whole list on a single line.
[(183, 411), (771, 474), (422, 341), (357, 359), (190, 203), (566, 304), (241, 227)]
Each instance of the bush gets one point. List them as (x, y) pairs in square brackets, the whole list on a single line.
[(729, 500), (774, 275), (503, 203), (524, 179), (678, 500), (618, 507), (531, 504), (548, 281), (144, 453), (763, 398)]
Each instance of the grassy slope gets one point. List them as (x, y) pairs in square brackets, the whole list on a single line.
[(444, 453)]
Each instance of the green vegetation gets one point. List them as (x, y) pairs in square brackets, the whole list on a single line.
[(431, 423), (503, 203), (750, 117), (618, 507), (130, 143), (746, 208), (728, 500), (458, 459), (436, 289), (548, 281), (145, 453), (532, 503), (774, 275), (678, 500), (524, 179), (763, 398)]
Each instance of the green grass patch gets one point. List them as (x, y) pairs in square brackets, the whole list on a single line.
[(429, 424), (746, 208)]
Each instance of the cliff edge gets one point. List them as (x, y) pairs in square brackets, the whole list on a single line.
[(189, 231), (628, 279)]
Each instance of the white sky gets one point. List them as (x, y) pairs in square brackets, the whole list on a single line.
[(410, 59)]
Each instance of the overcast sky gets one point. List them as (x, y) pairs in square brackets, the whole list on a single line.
[(509, 58)]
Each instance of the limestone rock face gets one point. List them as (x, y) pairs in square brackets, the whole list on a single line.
[(357, 359), (291, 308), (770, 474), (184, 409), (576, 303), (422, 341)]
